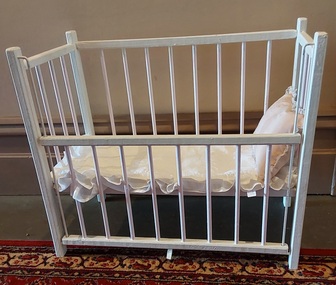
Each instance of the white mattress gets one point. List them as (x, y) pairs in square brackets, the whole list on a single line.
[(223, 171)]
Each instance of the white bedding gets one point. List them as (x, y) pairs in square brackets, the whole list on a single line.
[(223, 171)]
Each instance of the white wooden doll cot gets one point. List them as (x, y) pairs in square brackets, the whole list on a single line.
[(56, 103)]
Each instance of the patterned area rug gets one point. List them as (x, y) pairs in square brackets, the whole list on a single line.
[(37, 264)]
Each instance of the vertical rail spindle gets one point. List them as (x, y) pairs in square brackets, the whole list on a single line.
[(78, 204), (150, 90), (107, 92), (237, 195), (129, 90), (195, 85), (46, 108), (266, 195), (58, 97), (172, 88), (268, 75), (219, 88), (154, 197), (180, 193), (69, 95), (127, 193), (285, 219), (208, 193), (301, 76), (242, 87), (101, 192), (306, 83)]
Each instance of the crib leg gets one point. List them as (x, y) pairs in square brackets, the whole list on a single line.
[(287, 201), (169, 254)]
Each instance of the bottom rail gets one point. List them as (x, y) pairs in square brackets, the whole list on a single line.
[(189, 244)]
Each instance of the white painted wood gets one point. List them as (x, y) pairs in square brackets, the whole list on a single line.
[(69, 95), (154, 197), (150, 90), (266, 195), (72, 188), (125, 140), (313, 97), (129, 90), (169, 254), (52, 54), (301, 26), (28, 112), (172, 88), (237, 195), (188, 244), (304, 39), (287, 203), (189, 40), (46, 107), (127, 193), (242, 87), (219, 88), (81, 219), (58, 97), (82, 94), (108, 93), (180, 193), (101, 192), (268, 75), (208, 193), (195, 85)]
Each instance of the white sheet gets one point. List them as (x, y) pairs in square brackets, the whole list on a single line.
[(223, 171)]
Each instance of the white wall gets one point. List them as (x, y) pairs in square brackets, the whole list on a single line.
[(37, 25)]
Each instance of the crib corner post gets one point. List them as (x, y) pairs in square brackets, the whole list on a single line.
[(301, 26), (314, 90), (82, 94), (293, 260), (31, 124)]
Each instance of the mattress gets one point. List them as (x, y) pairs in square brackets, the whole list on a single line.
[(193, 158)]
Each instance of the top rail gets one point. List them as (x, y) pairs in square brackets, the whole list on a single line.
[(162, 42), (50, 55), (146, 140), (189, 40)]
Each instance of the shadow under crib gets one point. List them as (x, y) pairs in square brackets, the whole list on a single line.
[(223, 225)]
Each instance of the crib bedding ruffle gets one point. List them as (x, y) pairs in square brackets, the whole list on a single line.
[(223, 170)]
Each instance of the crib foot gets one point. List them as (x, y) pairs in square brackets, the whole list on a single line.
[(169, 254), (287, 201)]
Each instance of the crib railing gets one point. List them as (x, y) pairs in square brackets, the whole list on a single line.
[(51, 76), (178, 141), (194, 43), (57, 75)]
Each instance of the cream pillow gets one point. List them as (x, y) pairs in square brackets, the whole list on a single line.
[(279, 118)]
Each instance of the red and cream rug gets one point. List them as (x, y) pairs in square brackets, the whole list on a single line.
[(36, 263)]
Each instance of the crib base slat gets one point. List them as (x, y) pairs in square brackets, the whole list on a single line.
[(169, 243)]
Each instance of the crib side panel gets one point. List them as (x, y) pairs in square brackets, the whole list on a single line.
[(28, 112), (311, 109), (137, 86), (58, 91)]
